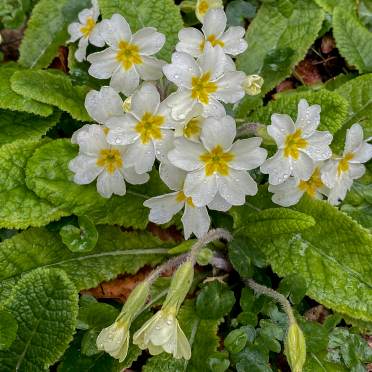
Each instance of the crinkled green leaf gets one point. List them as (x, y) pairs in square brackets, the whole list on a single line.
[(333, 257), (162, 14), (13, 12), (318, 362), (48, 175), (8, 329), (333, 114), (20, 207), (353, 40), (54, 89), (18, 125), (47, 30), (277, 28), (116, 252), (329, 5), (45, 305), (12, 101), (235, 341)]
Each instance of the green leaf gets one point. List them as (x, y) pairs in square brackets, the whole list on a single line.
[(49, 177), (318, 362), (60, 92), (162, 14), (80, 239), (333, 114), (45, 305), (333, 257), (353, 40), (47, 30), (293, 286), (17, 125), (280, 30), (20, 207), (237, 11), (214, 301), (8, 329), (116, 252), (235, 341), (12, 101), (13, 12)]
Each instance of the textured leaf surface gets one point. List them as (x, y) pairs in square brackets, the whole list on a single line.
[(48, 175), (333, 257), (20, 207), (352, 39), (278, 38), (17, 125), (162, 14), (333, 114), (45, 304), (13, 101), (47, 30), (8, 329), (54, 89), (116, 252)]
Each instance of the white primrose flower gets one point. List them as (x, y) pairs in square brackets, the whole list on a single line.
[(291, 191), (128, 57), (217, 165), (203, 6), (87, 30), (338, 173), (300, 145), (146, 128), (204, 82), (192, 41), (98, 159), (191, 126)]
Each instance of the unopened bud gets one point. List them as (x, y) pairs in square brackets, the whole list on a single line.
[(127, 104), (204, 257), (295, 348), (252, 84)]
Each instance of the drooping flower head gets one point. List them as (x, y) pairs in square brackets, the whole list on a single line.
[(203, 6), (300, 145), (128, 57), (87, 30)]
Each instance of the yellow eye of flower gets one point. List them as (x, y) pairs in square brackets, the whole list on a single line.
[(293, 143), (182, 197), (202, 88), (192, 128), (111, 160), (343, 165), (313, 184), (203, 7), (217, 161), (128, 55), (213, 40), (88, 27), (149, 127)]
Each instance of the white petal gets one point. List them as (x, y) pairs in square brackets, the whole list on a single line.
[(80, 132), (200, 187), (95, 37), (172, 176), (104, 104), (85, 169), (234, 43), (308, 117), (339, 190), (214, 23), (219, 204), (141, 156), (166, 112), (230, 88), (149, 40), (164, 145), (287, 193), (277, 167), (317, 147), (356, 170), (213, 108), (328, 172), (181, 70), (213, 61), (134, 178), (84, 15), (145, 100), (195, 220), (163, 207), (234, 187), (115, 30), (151, 68), (74, 31), (91, 141), (190, 41), (108, 184), (103, 63), (303, 167), (95, 9), (181, 104), (281, 126), (221, 131), (183, 349), (354, 138), (186, 154), (248, 154), (363, 153), (125, 81), (122, 130)]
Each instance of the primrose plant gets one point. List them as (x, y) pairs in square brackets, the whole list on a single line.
[(173, 116)]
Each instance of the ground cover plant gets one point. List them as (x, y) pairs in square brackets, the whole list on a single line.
[(185, 186)]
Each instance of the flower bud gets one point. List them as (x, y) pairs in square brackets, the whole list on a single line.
[(252, 84), (295, 347), (127, 104), (204, 257), (202, 7)]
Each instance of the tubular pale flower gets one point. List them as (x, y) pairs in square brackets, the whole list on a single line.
[(252, 84), (203, 6)]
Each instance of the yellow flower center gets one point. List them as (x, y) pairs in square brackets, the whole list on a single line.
[(88, 27), (203, 7), (293, 143), (181, 197), (202, 88), (128, 55), (217, 161), (312, 185), (343, 165), (149, 127), (111, 160), (192, 128), (213, 40)]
